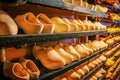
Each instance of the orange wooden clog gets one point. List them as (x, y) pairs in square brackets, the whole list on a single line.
[(29, 23), (15, 71), (30, 67)]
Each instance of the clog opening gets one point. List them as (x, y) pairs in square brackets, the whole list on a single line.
[(19, 70), (31, 66), (31, 18)]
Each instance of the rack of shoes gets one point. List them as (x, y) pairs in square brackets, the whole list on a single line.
[(51, 40)]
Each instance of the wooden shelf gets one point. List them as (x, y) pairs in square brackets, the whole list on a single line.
[(114, 33), (55, 73), (67, 6), (112, 53), (114, 44), (117, 21), (21, 39)]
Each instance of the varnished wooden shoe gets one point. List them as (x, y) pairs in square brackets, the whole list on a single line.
[(83, 53), (65, 55), (86, 48), (73, 27), (48, 26), (80, 26), (71, 50), (72, 75), (30, 67), (29, 23), (7, 25), (60, 25), (15, 71), (48, 57)]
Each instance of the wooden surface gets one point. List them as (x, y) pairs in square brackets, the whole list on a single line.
[(13, 10)]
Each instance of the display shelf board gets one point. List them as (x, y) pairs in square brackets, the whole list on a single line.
[(21, 39), (67, 6), (114, 33), (117, 6), (118, 76), (88, 74), (114, 44), (54, 73), (112, 8), (117, 21), (117, 57)]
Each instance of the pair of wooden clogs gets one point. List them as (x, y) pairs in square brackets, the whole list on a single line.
[(32, 24), (24, 70)]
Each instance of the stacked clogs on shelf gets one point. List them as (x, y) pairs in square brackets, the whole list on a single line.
[(82, 70), (31, 24), (97, 74), (53, 58), (59, 56), (85, 4)]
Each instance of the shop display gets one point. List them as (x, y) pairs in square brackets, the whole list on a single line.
[(42, 45)]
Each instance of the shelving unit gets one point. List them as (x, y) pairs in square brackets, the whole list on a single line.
[(55, 73), (21, 39)]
